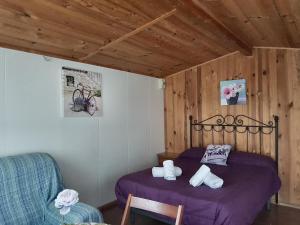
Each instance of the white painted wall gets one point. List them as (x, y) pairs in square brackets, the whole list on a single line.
[(92, 152)]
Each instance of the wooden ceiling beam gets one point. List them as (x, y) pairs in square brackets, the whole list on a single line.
[(130, 34), (125, 34), (245, 48)]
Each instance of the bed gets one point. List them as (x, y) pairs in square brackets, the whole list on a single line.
[(250, 180)]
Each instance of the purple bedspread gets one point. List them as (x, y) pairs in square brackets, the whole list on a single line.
[(249, 182)]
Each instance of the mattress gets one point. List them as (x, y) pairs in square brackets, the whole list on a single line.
[(249, 182)]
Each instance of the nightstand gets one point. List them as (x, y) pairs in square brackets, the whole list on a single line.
[(166, 156)]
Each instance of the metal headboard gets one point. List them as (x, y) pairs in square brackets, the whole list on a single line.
[(236, 124)]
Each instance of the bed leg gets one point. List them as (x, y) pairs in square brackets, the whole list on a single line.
[(268, 205), (132, 217)]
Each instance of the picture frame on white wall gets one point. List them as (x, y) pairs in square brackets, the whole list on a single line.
[(82, 93)]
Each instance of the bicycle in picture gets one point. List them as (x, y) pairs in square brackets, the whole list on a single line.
[(84, 99)]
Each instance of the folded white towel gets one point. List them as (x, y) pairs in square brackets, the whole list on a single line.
[(160, 171), (199, 176), (65, 199), (213, 181), (169, 170)]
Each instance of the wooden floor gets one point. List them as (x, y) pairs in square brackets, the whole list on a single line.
[(279, 215)]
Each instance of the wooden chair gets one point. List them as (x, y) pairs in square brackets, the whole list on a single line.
[(174, 212)]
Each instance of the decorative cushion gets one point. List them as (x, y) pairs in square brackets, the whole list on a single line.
[(216, 154)]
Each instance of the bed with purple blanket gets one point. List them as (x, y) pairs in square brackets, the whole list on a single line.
[(250, 180)]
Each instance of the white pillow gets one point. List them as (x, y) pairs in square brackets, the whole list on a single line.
[(216, 154)]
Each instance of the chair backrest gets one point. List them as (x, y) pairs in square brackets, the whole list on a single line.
[(174, 212), (28, 183)]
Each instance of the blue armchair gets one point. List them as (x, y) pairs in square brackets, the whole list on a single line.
[(28, 186)]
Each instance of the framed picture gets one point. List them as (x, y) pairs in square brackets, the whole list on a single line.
[(233, 92), (82, 93)]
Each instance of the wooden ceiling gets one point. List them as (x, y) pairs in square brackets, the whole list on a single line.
[(151, 37)]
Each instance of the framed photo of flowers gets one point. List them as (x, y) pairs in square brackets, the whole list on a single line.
[(233, 92)]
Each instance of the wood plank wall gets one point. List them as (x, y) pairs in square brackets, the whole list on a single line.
[(273, 88)]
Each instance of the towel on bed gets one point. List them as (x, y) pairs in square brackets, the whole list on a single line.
[(203, 175), (169, 170), (199, 176), (213, 181), (160, 171)]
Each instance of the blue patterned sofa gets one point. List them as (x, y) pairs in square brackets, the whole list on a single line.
[(29, 184)]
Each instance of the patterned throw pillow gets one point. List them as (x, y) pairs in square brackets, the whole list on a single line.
[(216, 154)]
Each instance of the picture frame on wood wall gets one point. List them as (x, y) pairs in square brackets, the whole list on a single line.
[(233, 92)]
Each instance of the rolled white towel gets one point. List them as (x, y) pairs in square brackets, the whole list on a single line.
[(65, 199), (169, 170), (160, 171), (213, 181), (198, 178)]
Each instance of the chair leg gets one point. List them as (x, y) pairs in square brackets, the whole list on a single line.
[(126, 211), (179, 215), (132, 217)]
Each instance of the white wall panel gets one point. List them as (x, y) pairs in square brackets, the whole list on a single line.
[(93, 153), (2, 97), (156, 109), (113, 133), (138, 122)]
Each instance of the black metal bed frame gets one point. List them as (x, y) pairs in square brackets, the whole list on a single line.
[(237, 124), (229, 124)]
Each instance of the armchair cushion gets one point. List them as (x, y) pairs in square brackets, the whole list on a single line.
[(79, 213), (29, 184)]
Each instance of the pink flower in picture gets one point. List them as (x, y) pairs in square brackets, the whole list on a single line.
[(227, 92)]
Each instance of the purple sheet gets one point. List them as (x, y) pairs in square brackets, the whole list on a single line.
[(249, 182)]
